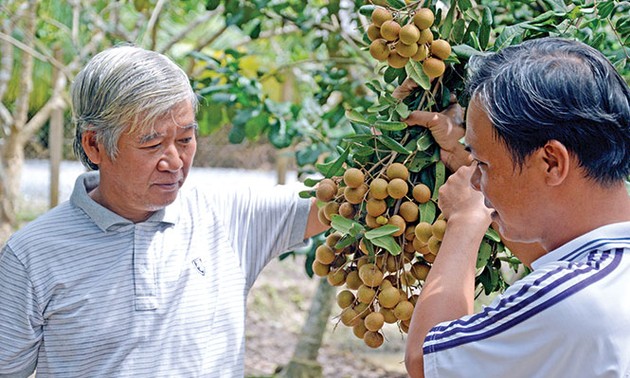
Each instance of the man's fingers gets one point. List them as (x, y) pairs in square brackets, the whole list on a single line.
[(422, 118), (405, 89)]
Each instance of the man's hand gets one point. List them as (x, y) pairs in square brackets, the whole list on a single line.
[(458, 199), (447, 130)]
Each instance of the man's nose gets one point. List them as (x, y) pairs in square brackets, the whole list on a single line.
[(171, 160)]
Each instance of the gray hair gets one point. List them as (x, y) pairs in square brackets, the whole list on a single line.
[(124, 88), (557, 89)]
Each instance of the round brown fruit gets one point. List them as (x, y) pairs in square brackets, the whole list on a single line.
[(365, 294), (345, 299), (397, 188), (355, 195), (433, 67), (373, 339), (388, 314), (420, 270), (330, 209), (375, 207), (426, 36), (379, 49), (353, 177), (423, 18), (320, 270), (390, 30), (421, 54), (423, 231), (409, 211), (346, 210), (434, 245), (374, 321), (395, 60), (359, 330), (403, 310), (389, 297), (350, 317), (381, 220), (439, 228), (440, 49), (321, 215), (397, 170), (421, 193), (378, 188), (336, 277), (324, 254), (404, 50), (408, 279), (409, 34), (333, 239), (353, 282), (371, 275), (326, 192), (398, 221), (380, 15), (373, 32)]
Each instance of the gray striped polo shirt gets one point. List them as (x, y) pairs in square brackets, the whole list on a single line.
[(85, 292)]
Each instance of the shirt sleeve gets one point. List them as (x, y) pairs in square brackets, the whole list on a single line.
[(20, 318)]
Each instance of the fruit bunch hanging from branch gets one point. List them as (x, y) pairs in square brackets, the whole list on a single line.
[(380, 195)]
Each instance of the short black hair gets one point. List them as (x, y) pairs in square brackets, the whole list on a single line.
[(557, 89)]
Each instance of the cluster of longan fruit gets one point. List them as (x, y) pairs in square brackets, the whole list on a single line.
[(379, 287), (397, 44)]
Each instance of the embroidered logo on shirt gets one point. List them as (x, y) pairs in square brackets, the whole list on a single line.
[(199, 265)]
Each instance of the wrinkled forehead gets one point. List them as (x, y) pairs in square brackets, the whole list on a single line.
[(155, 120)]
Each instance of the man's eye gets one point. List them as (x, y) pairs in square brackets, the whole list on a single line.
[(186, 140), (152, 147)]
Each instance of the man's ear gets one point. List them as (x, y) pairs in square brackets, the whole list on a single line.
[(556, 162), (92, 148)]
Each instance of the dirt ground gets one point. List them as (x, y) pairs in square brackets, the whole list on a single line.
[(278, 305)]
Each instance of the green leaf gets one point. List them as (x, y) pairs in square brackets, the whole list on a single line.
[(398, 4), (427, 211), (306, 194), (367, 10), (557, 6), (421, 161), (458, 31), (354, 116), (345, 241), (414, 70), (333, 168), (237, 134), (424, 142), (485, 251), (464, 5), (391, 74), (440, 177), (465, 51), (389, 243), (346, 226), (493, 235), (403, 110), (378, 108), (212, 4), (390, 125), (508, 36), (393, 144), (387, 229), (311, 182), (605, 8)]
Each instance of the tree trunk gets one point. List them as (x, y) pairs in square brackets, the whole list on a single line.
[(304, 363)]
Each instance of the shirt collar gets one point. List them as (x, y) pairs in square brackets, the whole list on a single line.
[(605, 237), (106, 219)]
